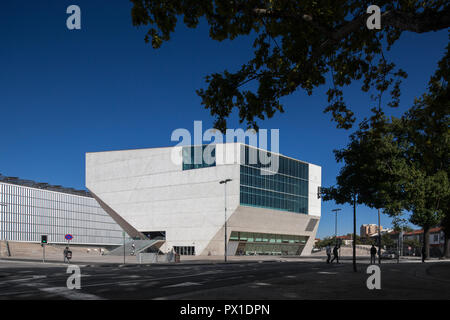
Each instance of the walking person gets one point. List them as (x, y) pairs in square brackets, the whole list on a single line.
[(335, 254), (328, 250), (66, 251), (373, 254)]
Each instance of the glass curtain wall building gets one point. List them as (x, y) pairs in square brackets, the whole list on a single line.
[(286, 190), (26, 213)]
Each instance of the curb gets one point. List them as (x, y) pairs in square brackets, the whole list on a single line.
[(121, 265), (47, 262)]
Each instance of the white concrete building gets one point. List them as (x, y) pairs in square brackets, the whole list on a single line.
[(172, 194)]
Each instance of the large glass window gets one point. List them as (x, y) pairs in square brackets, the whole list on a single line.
[(196, 157), (251, 243), (286, 190)]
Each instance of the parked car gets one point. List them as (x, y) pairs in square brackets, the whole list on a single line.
[(390, 254), (316, 249)]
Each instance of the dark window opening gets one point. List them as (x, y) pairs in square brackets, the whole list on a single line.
[(184, 250), (155, 235)]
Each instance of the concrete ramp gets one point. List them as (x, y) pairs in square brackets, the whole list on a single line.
[(140, 245)]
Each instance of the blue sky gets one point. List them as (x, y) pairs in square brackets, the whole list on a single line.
[(64, 93)]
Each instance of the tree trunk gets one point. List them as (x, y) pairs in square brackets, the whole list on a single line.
[(426, 241), (354, 234), (446, 252)]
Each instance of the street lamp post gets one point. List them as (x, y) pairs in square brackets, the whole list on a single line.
[(335, 224), (224, 182), (379, 238), (123, 234)]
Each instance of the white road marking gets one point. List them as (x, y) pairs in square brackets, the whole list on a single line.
[(70, 294), (262, 284), (24, 279), (326, 272), (183, 284)]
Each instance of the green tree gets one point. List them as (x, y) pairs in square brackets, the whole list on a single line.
[(402, 164), (297, 45), (425, 128), (413, 243), (445, 224), (328, 241), (373, 170), (387, 241)]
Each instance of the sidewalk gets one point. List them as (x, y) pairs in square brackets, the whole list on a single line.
[(107, 260), (132, 261)]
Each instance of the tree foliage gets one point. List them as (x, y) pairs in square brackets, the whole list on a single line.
[(387, 241), (297, 45), (403, 164), (413, 243)]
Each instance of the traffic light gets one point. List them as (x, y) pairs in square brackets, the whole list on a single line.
[(44, 239)]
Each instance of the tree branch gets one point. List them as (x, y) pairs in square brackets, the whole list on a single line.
[(418, 22), (425, 21)]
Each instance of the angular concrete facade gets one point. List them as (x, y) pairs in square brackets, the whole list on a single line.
[(148, 190)]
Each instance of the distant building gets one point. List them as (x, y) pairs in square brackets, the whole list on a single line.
[(29, 209), (345, 240), (436, 240), (367, 230)]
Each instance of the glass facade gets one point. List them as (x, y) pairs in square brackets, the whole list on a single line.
[(252, 243), (197, 157), (286, 190), (27, 213)]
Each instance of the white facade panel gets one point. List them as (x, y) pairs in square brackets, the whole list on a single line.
[(314, 182)]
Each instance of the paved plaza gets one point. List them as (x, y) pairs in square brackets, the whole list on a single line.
[(252, 279)]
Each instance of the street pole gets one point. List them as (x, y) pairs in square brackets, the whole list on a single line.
[(123, 234), (379, 238), (335, 230), (225, 219), (354, 233), (335, 227), (335, 224), (399, 245), (224, 182), (43, 252)]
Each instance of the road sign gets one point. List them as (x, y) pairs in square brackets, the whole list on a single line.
[(68, 237)]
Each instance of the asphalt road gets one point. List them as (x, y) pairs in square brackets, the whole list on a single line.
[(250, 280)]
